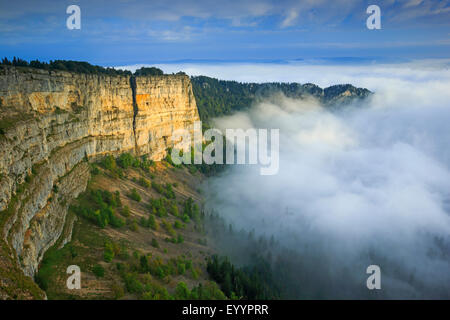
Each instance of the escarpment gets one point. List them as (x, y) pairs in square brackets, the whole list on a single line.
[(51, 125)]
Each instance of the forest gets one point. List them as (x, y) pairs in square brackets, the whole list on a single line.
[(64, 65), (217, 98), (79, 67)]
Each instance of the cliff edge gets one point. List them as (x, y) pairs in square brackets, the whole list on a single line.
[(52, 123)]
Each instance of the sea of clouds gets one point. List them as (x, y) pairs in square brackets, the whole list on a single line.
[(369, 184)]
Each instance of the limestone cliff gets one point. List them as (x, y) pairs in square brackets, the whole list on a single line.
[(51, 123)]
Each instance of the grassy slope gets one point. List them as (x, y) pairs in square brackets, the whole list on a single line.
[(87, 246)]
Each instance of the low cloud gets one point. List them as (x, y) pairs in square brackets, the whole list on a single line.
[(368, 184), (290, 19)]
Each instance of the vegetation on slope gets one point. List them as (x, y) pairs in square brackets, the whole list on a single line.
[(147, 249), (158, 250), (219, 97)]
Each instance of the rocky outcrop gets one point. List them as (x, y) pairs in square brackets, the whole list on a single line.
[(343, 94), (52, 123)]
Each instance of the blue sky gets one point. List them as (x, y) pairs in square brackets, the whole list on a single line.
[(160, 31)]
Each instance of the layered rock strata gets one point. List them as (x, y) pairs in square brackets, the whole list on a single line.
[(53, 123)]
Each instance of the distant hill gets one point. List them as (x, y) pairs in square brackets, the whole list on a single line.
[(220, 97)]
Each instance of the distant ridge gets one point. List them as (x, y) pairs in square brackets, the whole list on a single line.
[(221, 97)]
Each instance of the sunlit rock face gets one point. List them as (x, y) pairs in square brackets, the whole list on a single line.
[(52, 122)]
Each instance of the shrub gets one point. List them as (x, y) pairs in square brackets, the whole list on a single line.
[(148, 71), (143, 222), (143, 261), (134, 226), (162, 212), (109, 252), (157, 187), (192, 169), (160, 273), (169, 193), (177, 225), (98, 270), (194, 274), (191, 209), (144, 182), (173, 240), (135, 195), (181, 291), (124, 254), (174, 209), (188, 207), (208, 291), (145, 163), (125, 160), (117, 291), (195, 212), (125, 211), (98, 207), (73, 251), (169, 228), (155, 243), (151, 223), (116, 222), (116, 199), (109, 163), (154, 291), (158, 207), (181, 268), (95, 170), (133, 284)]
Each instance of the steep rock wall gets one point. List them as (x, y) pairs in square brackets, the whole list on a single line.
[(53, 122)]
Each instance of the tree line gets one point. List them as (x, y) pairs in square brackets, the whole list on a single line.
[(79, 67), (217, 98)]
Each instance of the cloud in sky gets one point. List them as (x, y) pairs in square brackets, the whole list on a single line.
[(290, 19), (204, 9), (117, 31), (323, 72)]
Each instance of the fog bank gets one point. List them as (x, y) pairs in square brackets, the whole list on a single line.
[(369, 184)]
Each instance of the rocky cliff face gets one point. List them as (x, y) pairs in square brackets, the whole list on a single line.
[(51, 123)]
